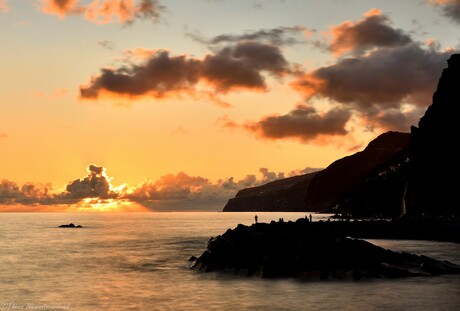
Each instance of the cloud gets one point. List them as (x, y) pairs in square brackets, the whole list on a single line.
[(241, 66), (379, 82), (29, 193), (105, 11), (4, 135), (95, 185), (106, 44), (4, 6), (383, 77), (281, 36), (54, 94), (170, 192), (184, 192), (303, 123), (373, 30), (449, 8), (383, 80)]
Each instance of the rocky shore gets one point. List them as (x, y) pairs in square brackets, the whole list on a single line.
[(314, 250)]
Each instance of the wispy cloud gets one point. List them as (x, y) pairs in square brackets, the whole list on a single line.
[(449, 8), (281, 36), (53, 94), (105, 11), (4, 6)]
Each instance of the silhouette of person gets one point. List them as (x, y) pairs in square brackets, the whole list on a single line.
[(310, 218), (256, 218)]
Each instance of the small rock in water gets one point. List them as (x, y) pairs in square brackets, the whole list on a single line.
[(71, 225)]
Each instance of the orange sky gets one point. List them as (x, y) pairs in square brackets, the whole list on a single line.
[(179, 104)]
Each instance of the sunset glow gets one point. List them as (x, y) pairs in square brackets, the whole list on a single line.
[(169, 109)]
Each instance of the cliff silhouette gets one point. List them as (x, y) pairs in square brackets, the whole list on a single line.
[(397, 173)]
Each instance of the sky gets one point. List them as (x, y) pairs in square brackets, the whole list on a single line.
[(154, 105)]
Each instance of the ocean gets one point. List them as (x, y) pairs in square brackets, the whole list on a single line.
[(139, 261)]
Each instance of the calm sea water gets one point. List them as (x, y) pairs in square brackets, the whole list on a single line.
[(139, 261)]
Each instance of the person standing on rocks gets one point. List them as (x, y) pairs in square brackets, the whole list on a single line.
[(256, 218)]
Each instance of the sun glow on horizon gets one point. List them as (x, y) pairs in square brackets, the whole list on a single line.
[(107, 205)]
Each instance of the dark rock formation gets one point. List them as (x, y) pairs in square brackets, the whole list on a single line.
[(370, 182), (354, 178), (286, 194), (71, 225), (309, 250), (434, 173)]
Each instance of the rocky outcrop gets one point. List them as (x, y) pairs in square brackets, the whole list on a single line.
[(71, 225), (342, 180), (434, 174), (311, 251), (286, 194)]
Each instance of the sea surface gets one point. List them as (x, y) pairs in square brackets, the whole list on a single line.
[(139, 261)]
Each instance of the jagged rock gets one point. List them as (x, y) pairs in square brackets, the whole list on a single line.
[(309, 250), (434, 171)]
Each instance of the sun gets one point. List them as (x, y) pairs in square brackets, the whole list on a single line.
[(107, 205)]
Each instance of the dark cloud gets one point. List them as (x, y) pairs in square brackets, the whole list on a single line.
[(106, 11), (390, 85), (449, 8), (242, 65), (379, 83), (303, 123), (281, 36), (374, 30), (95, 185), (158, 75), (237, 67)]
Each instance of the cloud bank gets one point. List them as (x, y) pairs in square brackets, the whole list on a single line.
[(170, 192)]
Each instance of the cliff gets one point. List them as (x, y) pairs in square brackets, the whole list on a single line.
[(433, 170), (341, 181), (286, 194)]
